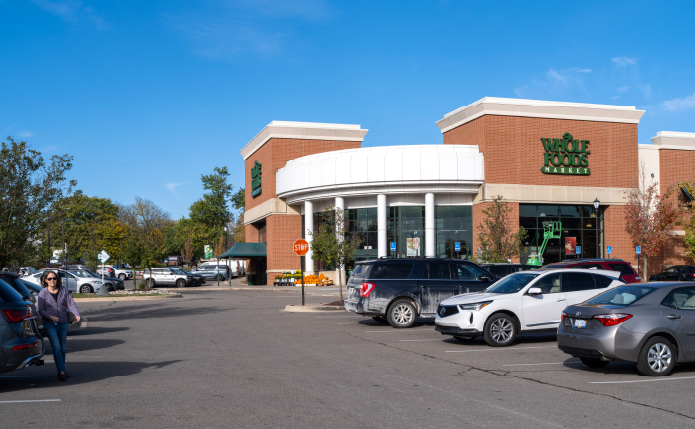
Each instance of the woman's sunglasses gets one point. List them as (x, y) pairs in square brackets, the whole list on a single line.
[(48, 279)]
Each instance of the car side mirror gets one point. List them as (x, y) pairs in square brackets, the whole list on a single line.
[(535, 291)]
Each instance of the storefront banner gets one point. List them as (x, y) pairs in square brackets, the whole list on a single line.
[(570, 246), (413, 246)]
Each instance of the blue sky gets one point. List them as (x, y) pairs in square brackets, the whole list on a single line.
[(147, 96)]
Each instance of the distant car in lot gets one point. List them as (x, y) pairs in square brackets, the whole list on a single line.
[(652, 324), (527, 301), (200, 280), (20, 342), (167, 277), (398, 291), (112, 284), (122, 273), (212, 271), (72, 281), (108, 271), (676, 273), (27, 271), (627, 273), (501, 270)]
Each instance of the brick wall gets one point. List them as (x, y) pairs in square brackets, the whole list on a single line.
[(675, 166), (282, 230), (514, 153), (479, 216), (615, 235)]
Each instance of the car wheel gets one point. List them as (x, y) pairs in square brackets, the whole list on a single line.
[(500, 330), (86, 289), (150, 283), (593, 362), (180, 283), (465, 339), (122, 276), (219, 277), (402, 314), (110, 288), (657, 357), (380, 319)]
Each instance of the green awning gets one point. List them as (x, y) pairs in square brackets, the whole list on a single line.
[(246, 250)]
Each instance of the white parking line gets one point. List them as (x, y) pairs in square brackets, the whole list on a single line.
[(640, 381), (497, 349), (337, 317), (534, 364), (346, 323), (401, 330), (30, 400), (433, 339)]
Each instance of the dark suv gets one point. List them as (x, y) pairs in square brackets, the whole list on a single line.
[(677, 272), (20, 342), (398, 291), (627, 273), (502, 270)]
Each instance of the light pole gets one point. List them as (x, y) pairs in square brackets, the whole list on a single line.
[(596, 204), (229, 271)]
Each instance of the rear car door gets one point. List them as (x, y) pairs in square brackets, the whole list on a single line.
[(435, 286), (578, 286), (544, 310), (678, 309), (471, 278)]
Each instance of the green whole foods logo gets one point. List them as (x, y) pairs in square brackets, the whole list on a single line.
[(566, 156), (256, 174)]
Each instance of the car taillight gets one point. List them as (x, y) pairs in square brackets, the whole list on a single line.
[(612, 319), (562, 317), (14, 316), (26, 346), (366, 289)]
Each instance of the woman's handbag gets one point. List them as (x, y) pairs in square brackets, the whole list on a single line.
[(71, 317)]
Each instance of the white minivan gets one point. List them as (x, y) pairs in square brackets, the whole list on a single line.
[(527, 301)]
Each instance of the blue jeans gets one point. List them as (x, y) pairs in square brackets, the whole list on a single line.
[(57, 335)]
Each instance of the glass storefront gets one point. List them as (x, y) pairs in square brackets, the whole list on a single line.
[(406, 227), (578, 221), (454, 224)]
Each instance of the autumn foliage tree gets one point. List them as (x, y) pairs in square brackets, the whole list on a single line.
[(499, 242), (648, 218)]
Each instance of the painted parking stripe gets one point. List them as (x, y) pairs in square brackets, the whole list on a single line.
[(400, 330), (497, 349), (30, 400), (535, 364), (337, 317), (640, 381), (431, 339)]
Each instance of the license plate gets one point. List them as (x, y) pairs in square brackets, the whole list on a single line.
[(581, 324)]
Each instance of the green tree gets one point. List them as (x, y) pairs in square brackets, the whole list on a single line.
[(496, 233), (212, 210), (147, 224), (331, 244), (239, 200), (29, 187)]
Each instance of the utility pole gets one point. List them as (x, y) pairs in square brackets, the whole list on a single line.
[(65, 257)]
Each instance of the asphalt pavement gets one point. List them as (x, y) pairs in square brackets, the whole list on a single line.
[(233, 359)]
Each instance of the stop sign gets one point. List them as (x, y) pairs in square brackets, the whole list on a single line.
[(300, 247)]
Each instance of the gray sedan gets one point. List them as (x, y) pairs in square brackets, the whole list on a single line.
[(652, 324)]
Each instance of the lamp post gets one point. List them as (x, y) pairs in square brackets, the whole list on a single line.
[(229, 272), (596, 204)]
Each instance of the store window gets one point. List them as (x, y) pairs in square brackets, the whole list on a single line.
[(577, 221), (453, 224), (406, 228)]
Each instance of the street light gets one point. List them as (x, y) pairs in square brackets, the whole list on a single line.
[(229, 274), (596, 204)]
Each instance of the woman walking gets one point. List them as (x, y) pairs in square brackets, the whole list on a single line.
[(54, 300)]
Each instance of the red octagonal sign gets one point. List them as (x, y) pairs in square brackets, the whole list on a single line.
[(301, 247)]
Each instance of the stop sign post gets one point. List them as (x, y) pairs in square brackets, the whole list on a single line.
[(301, 247)]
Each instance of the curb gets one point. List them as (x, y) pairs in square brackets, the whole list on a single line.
[(309, 308), (127, 298)]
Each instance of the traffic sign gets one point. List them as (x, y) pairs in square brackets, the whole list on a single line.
[(608, 249), (103, 256), (638, 249), (393, 246), (457, 246), (579, 250), (301, 247)]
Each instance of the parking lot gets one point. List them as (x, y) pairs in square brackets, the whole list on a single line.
[(232, 359)]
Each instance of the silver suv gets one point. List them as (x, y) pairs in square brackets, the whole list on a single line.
[(167, 277)]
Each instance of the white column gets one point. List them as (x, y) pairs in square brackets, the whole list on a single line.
[(308, 226), (340, 234), (381, 224), (430, 236)]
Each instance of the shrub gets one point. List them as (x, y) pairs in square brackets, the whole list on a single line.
[(142, 285)]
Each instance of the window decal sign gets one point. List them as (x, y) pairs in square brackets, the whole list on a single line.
[(256, 179), (571, 246), (566, 156)]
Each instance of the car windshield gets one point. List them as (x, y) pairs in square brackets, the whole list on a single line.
[(513, 283), (623, 295)]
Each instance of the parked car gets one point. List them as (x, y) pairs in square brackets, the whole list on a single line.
[(167, 277), (675, 273), (76, 267), (651, 324), (501, 270), (26, 271), (527, 301), (112, 284), (21, 345), (212, 271), (13, 280), (122, 266), (200, 280), (121, 273), (627, 273), (107, 270), (71, 281), (398, 291)]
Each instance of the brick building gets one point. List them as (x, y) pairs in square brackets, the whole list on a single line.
[(549, 160)]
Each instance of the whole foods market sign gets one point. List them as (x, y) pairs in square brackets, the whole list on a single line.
[(566, 155), (256, 174)]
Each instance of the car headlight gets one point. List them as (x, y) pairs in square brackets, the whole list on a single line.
[(96, 282), (477, 306)]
